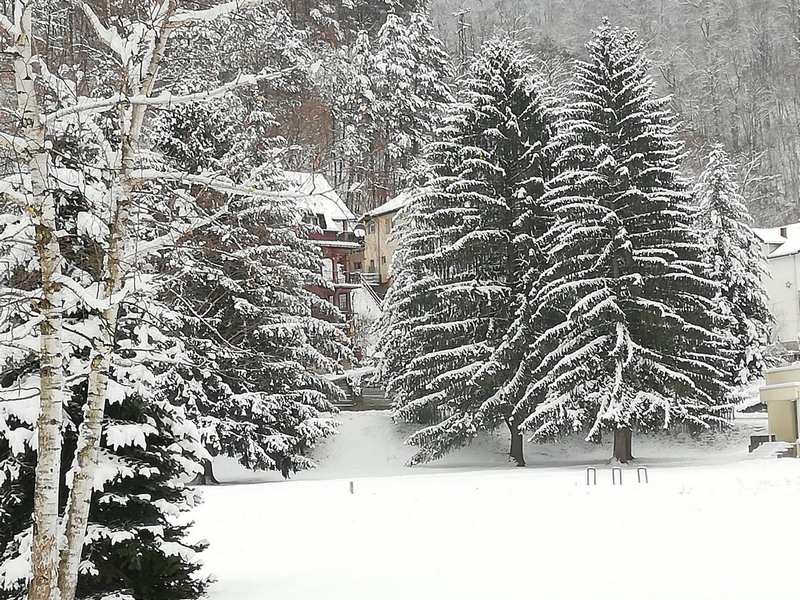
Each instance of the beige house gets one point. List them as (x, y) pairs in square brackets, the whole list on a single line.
[(781, 395), (379, 240)]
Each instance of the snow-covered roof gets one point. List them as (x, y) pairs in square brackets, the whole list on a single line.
[(786, 237), (320, 198), (787, 249), (770, 235), (391, 206)]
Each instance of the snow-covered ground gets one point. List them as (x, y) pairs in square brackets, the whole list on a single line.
[(713, 523)]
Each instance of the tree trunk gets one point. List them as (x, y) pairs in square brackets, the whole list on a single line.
[(44, 548), (623, 438), (86, 457), (517, 452), (90, 432), (86, 454), (207, 477), (44, 551)]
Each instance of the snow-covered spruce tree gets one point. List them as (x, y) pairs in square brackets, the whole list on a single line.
[(735, 261), (410, 75), (117, 92), (137, 545), (464, 247), (260, 340), (138, 541), (385, 91), (632, 346)]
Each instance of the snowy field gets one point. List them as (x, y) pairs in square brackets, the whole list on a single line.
[(713, 523)]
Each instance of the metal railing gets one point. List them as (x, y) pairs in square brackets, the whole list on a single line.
[(371, 278), (367, 284)]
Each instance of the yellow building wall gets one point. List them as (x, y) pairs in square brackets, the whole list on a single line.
[(783, 420), (783, 375), (379, 246), (781, 400)]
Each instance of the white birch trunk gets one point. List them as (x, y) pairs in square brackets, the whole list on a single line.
[(90, 432), (139, 84), (44, 551), (86, 456)]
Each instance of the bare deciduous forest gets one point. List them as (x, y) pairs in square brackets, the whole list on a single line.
[(731, 66)]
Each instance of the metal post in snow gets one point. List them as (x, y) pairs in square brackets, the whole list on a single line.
[(642, 471), (593, 472), (614, 471)]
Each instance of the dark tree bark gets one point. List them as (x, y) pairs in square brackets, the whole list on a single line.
[(623, 439), (517, 452), (207, 477)]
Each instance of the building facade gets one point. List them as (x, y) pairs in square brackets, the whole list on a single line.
[(335, 236), (781, 247), (380, 242)]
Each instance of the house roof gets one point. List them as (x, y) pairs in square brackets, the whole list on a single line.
[(788, 244), (319, 197), (391, 206), (770, 235)]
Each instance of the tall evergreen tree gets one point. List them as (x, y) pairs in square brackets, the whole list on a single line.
[(410, 74), (735, 261), (464, 245), (260, 340), (385, 91), (137, 543), (627, 316)]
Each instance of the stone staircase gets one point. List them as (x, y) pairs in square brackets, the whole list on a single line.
[(374, 398), (360, 391)]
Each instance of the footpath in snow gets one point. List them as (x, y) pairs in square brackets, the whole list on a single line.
[(713, 523)]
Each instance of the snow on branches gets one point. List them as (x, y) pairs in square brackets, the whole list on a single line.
[(465, 247), (734, 259), (624, 313), (549, 274), (81, 196)]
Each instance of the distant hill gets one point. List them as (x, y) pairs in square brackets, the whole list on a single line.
[(732, 66)]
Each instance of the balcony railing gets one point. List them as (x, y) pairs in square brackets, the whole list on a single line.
[(334, 236), (357, 277)]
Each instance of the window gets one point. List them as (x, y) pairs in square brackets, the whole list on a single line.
[(371, 227), (357, 266), (371, 266), (327, 269), (343, 302), (321, 223), (388, 225), (383, 260)]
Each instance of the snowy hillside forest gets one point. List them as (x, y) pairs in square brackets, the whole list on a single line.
[(575, 260), (730, 68)]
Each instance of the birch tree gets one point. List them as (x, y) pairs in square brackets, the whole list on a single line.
[(137, 48), (30, 190)]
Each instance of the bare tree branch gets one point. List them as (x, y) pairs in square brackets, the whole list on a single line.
[(91, 106)]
